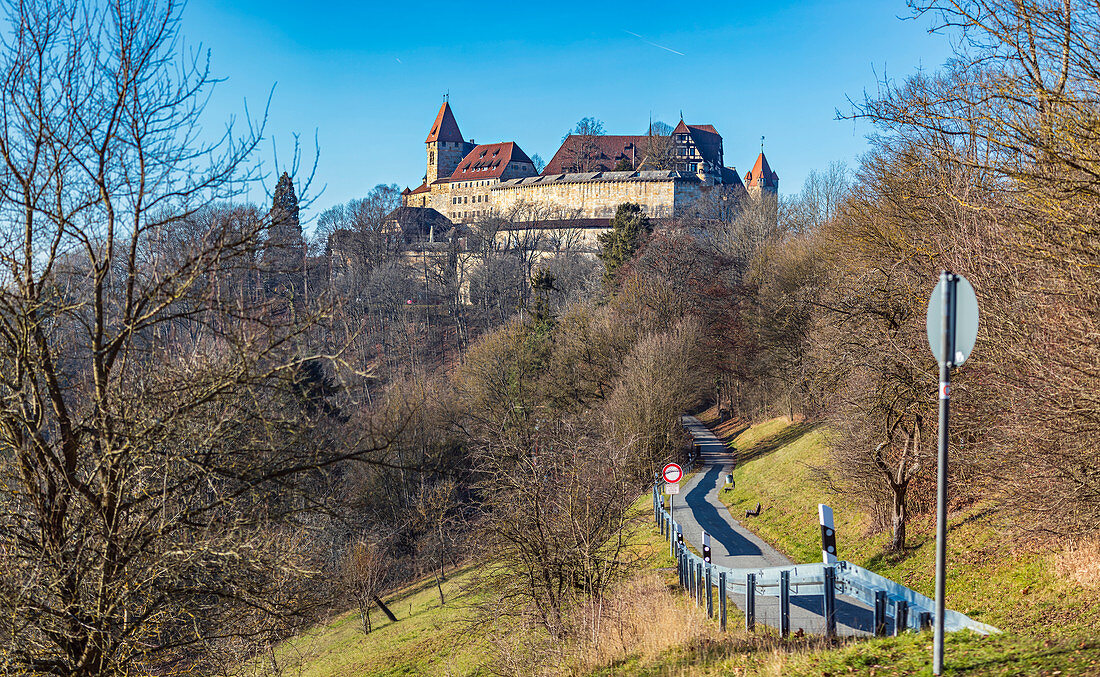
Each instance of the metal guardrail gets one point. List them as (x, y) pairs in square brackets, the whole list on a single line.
[(886, 597)]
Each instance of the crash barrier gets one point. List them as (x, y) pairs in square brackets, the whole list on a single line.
[(896, 607)]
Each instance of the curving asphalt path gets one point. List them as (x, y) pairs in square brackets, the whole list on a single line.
[(697, 508)]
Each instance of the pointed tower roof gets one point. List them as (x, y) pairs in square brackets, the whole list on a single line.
[(761, 173), (681, 128), (445, 128)]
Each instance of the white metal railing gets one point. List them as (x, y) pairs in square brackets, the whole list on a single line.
[(883, 595)]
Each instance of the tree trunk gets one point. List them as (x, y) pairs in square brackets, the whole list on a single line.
[(364, 613), (385, 609), (901, 515)]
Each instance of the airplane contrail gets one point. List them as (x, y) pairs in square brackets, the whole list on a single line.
[(649, 42)]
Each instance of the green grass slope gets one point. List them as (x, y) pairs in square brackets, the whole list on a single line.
[(1048, 617), (427, 639), (433, 639)]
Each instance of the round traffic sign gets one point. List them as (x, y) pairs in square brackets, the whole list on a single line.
[(966, 320), (672, 473)]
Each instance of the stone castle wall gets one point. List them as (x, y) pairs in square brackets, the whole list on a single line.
[(597, 199)]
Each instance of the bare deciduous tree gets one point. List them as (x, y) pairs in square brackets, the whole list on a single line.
[(365, 575), (157, 412)]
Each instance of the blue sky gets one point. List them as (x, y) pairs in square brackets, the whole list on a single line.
[(368, 78)]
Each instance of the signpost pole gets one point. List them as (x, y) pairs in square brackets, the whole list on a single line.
[(949, 282)]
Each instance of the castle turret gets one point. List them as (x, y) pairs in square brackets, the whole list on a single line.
[(761, 179), (446, 147)]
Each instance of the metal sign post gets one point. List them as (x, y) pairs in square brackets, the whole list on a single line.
[(672, 474), (952, 331)]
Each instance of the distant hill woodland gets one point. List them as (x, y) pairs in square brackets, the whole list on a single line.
[(198, 457)]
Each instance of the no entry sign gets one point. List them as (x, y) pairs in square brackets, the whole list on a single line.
[(672, 473)]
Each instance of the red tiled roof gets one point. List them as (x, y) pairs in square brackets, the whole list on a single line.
[(606, 154), (422, 188), (761, 173), (488, 161), (445, 128)]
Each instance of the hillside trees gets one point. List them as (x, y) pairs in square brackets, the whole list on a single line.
[(1013, 118), (565, 415), (157, 436)]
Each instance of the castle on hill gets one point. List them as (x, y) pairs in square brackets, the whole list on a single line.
[(588, 177)]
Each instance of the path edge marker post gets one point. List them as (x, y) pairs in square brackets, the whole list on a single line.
[(828, 534)]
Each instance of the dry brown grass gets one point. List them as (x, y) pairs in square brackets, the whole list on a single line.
[(647, 625), (643, 619), (1079, 561)]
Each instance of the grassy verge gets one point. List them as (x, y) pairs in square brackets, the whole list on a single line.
[(1048, 617), (427, 639)]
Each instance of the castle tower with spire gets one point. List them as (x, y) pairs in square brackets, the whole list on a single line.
[(445, 145), (761, 180)]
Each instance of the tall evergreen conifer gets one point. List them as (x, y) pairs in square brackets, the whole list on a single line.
[(617, 246), (283, 252)]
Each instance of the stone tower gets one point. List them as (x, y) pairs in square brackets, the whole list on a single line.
[(446, 147), (761, 180)]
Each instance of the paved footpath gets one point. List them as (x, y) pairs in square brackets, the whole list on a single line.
[(732, 545)]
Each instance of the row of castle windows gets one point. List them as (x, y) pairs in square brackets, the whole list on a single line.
[(471, 214), (464, 199)]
